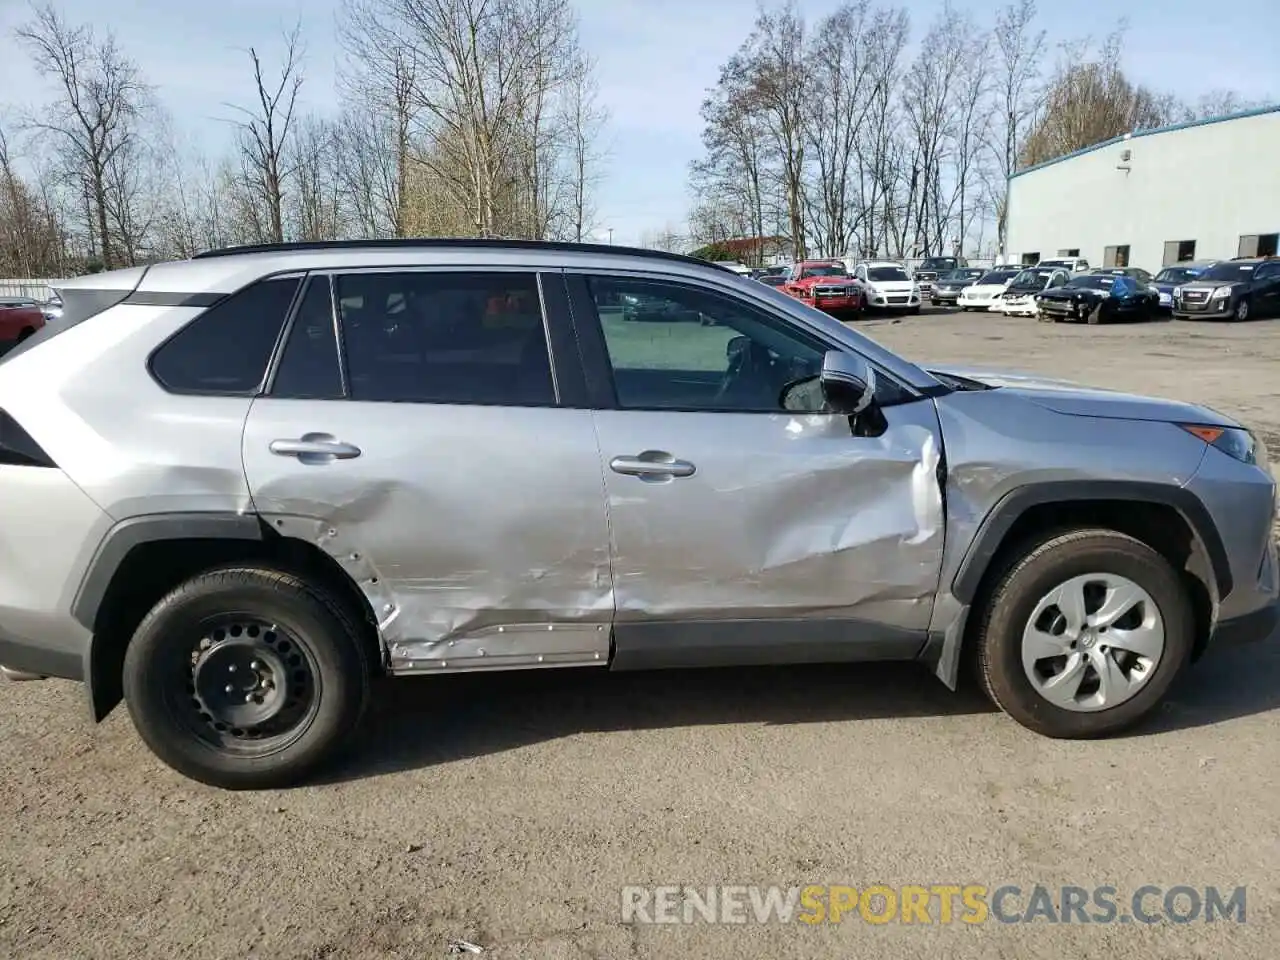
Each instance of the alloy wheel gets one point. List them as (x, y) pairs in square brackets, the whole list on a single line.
[(1093, 642)]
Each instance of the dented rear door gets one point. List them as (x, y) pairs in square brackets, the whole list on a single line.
[(439, 468)]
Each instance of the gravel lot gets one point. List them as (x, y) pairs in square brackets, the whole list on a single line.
[(509, 811)]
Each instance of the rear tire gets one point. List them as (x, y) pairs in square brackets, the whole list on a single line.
[(247, 678), (1033, 578)]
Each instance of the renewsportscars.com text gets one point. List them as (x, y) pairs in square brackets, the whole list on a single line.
[(932, 904)]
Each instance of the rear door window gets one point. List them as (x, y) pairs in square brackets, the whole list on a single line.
[(309, 366), (445, 337)]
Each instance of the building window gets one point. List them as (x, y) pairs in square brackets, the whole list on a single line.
[(1069, 252), (1178, 251), (1258, 245), (1117, 256), (1030, 259)]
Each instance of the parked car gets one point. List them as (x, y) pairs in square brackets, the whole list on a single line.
[(1072, 265), (491, 475), (52, 308), (986, 293), (888, 285), (949, 285), (826, 284), (1019, 298), (739, 268), (642, 308), (1175, 275), (20, 318), (1136, 274), (927, 273), (1100, 297), (773, 279), (1231, 290)]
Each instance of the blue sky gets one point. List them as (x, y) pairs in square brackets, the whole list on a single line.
[(656, 60)]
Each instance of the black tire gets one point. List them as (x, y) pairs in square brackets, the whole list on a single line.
[(26, 332), (1243, 310), (935, 303), (310, 631), (915, 309), (1029, 577), (1095, 316)]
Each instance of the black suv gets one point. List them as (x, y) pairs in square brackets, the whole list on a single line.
[(1231, 290)]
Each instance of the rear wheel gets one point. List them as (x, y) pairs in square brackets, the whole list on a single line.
[(1083, 634), (246, 678)]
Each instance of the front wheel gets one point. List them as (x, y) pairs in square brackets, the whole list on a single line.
[(246, 678), (1242, 310), (1083, 634)]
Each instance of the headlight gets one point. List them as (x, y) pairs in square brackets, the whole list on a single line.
[(1233, 441), (1220, 293)]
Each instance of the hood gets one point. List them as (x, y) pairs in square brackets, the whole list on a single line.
[(1074, 293), (1212, 284), (903, 286), (807, 282), (1025, 290), (985, 288), (1064, 396)]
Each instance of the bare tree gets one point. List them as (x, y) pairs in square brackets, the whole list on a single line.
[(772, 68), (264, 133), (971, 121), (842, 77), (1020, 49), (316, 208), (1091, 100), (584, 120), (93, 117), (32, 243)]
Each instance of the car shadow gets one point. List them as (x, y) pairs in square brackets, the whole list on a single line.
[(1225, 685), (421, 721)]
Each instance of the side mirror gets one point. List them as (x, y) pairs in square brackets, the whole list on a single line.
[(848, 382)]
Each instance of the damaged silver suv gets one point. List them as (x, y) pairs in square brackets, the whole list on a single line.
[(235, 490)]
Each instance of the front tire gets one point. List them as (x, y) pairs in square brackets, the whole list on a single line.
[(1242, 310), (246, 678), (1084, 634)]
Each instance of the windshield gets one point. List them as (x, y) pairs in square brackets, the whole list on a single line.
[(825, 270), (1231, 272), (1032, 278), (1094, 281), (997, 276), (959, 276), (1176, 275), (887, 273), (938, 263)]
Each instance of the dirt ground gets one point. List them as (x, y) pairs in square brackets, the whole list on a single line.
[(510, 811)]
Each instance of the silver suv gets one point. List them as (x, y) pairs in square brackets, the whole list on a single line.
[(237, 489)]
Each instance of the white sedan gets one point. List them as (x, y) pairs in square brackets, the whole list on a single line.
[(986, 293), (1019, 298)]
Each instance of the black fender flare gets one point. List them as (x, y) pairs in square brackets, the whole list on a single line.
[(1001, 518), (101, 676)]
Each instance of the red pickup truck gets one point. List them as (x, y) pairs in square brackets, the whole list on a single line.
[(19, 319), (826, 284)]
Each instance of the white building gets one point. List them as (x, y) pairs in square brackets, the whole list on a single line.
[(1195, 191)]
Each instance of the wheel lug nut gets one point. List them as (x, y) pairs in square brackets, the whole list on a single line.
[(231, 669), (230, 688), (255, 665), (248, 698)]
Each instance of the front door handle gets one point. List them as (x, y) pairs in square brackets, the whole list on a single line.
[(652, 465), (315, 448)]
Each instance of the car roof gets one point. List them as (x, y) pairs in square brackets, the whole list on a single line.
[(229, 269)]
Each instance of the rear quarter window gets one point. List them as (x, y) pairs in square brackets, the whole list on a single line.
[(225, 350)]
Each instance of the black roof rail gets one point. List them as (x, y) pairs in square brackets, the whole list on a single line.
[(491, 243)]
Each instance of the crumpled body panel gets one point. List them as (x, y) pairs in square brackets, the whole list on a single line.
[(785, 516), (452, 519)]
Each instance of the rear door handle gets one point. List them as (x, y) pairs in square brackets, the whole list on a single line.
[(315, 448), (652, 465)]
